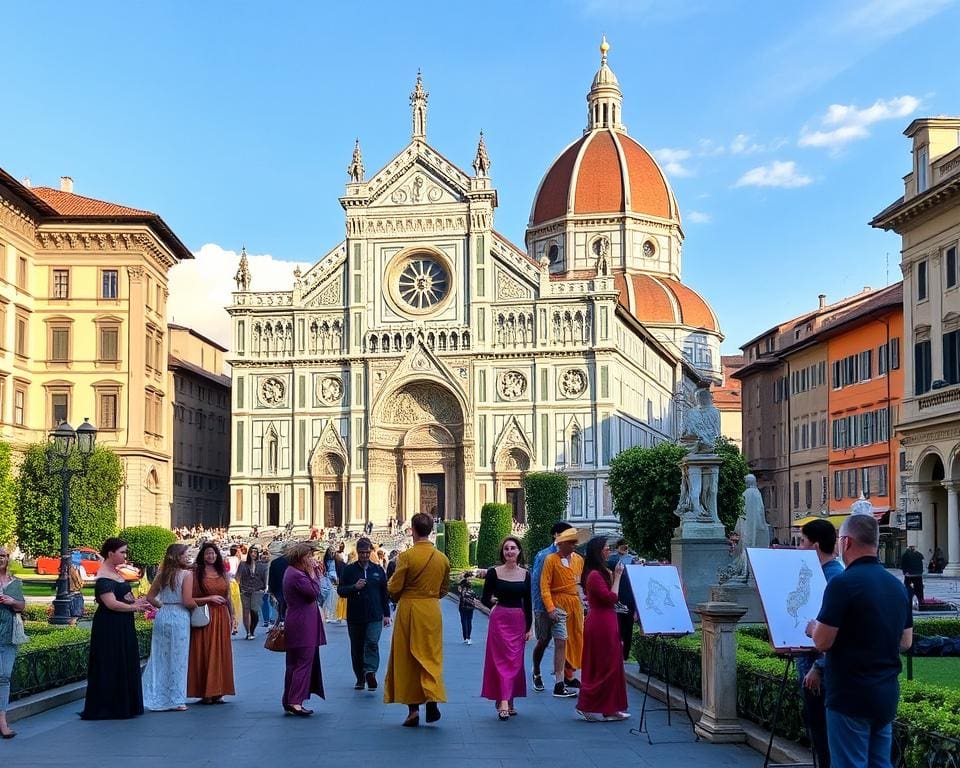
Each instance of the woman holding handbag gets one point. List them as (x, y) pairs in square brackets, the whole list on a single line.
[(11, 606), (303, 630), (210, 669), (171, 593)]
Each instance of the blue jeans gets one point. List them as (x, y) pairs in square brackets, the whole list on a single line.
[(267, 611), (857, 742), (8, 654)]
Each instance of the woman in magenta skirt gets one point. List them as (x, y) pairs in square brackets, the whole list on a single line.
[(603, 689), (303, 629), (506, 590)]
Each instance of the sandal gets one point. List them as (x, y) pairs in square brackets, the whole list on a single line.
[(503, 715), (512, 712)]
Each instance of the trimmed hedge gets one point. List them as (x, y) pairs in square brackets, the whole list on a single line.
[(457, 537), (472, 552), (546, 501), (496, 523), (441, 543), (147, 544)]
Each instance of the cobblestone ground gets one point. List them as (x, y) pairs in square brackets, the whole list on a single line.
[(356, 727)]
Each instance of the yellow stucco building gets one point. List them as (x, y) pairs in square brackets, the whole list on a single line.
[(83, 292)]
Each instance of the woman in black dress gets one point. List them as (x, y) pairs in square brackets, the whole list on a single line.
[(113, 674)]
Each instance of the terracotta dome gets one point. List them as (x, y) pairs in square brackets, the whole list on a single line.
[(654, 300), (605, 171)]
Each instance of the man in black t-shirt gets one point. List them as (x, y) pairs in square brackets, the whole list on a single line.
[(911, 563), (865, 622)]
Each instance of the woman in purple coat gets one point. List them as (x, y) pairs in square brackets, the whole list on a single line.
[(304, 630)]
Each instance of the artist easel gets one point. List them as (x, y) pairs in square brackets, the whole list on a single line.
[(790, 655), (660, 651)]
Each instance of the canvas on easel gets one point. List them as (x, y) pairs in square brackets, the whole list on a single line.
[(791, 585), (658, 592)]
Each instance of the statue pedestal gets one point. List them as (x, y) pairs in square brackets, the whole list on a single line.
[(699, 559), (743, 594)]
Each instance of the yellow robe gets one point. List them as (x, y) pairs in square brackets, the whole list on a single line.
[(415, 669), (558, 588)]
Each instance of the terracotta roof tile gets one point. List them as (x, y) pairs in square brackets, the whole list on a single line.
[(69, 204), (599, 185), (552, 198), (696, 311), (648, 190)]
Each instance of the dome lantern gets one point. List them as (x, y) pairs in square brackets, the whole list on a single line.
[(605, 99)]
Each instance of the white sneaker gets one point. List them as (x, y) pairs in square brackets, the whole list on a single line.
[(468, 641)]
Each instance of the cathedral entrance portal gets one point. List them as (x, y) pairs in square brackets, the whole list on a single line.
[(332, 509), (432, 495), (515, 500)]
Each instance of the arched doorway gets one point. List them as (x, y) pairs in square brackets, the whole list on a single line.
[(416, 453), (329, 489), (931, 498)]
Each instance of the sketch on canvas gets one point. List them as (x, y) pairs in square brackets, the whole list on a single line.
[(659, 597), (791, 584)]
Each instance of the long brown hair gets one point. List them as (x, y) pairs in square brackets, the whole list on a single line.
[(170, 567)]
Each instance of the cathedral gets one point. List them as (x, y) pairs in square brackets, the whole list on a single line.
[(426, 363)]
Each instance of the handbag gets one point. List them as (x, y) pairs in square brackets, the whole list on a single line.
[(200, 616), (276, 639), (19, 635)]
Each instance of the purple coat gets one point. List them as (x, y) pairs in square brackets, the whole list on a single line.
[(303, 623)]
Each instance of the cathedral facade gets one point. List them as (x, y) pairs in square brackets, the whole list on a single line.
[(426, 363)]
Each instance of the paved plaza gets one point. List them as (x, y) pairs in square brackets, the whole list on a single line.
[(357, 726)]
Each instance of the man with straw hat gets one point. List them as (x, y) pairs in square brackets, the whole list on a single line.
[(559, 588)]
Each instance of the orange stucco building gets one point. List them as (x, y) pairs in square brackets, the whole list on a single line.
[(864, 357)]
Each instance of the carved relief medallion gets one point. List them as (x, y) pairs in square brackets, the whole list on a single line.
[(512, 385), (573, 382), (272, 391), (330, 390)]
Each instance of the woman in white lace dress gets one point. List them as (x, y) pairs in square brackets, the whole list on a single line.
[(165, 676)]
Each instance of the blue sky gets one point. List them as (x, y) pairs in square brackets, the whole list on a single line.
[(779, 124)]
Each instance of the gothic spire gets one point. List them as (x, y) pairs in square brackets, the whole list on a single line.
[(605, 100), (418, 101), (243, 277), (355, 169), (481, 163)]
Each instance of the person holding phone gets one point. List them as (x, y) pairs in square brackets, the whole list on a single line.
[(626, 607)]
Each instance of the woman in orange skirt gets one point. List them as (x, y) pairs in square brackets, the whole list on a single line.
[(210, 669)]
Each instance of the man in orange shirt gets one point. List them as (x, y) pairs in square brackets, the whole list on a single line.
[(560, 589)]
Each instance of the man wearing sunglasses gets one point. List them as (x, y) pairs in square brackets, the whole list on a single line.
[(864, 623)]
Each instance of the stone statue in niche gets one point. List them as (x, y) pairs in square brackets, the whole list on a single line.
[(752, 532)]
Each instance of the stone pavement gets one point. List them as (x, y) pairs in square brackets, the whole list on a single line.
[(352, 726)]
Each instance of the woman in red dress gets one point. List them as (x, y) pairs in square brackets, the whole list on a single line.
[(603, 689)]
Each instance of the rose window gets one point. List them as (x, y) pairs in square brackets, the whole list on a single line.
[(423, 283)]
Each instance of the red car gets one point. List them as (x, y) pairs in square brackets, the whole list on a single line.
[(90, 561)]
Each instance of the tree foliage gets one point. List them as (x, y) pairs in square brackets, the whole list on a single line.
[(496, 523), (147, 544), (545, 495), (645, 487), (458, 544), (93, 501), (8, 496)]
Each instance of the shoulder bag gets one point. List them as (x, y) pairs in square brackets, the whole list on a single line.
[(276, 639), (19, 635), (200, 616)]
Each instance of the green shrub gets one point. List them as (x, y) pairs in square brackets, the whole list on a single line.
[(945, 627), (472, 552), (441, 542), (8, 497), (147, 544), (37, 612), (496, 523), (546, 503), (458, 544)]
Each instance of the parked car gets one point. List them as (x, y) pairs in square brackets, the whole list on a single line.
[(90, 561)]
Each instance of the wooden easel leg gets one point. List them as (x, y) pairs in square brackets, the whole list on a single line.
[(776, 710)]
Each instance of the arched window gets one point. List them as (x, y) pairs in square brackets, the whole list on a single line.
[(273, 452)]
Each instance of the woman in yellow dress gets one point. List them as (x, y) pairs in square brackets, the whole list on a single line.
[(415, 669), (342, 601)]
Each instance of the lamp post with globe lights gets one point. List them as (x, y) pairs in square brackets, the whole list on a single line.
[(61, 444)]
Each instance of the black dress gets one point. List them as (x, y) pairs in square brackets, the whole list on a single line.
[(113, 677)]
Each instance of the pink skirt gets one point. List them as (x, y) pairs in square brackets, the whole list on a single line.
[(504, 678)]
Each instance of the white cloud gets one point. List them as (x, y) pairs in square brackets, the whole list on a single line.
[(847, 122), (673, 161), (779, 173), (698, 217), (200, 289)]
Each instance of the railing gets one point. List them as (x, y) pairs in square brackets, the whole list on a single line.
[(757, 694), (943, 397), (915, 747)]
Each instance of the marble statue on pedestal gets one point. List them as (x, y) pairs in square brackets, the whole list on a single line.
[(701, 466), (861, 507), (752, 531)]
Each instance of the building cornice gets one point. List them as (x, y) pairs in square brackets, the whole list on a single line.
[(897, 216)]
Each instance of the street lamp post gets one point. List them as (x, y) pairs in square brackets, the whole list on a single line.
[(62, 441)]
